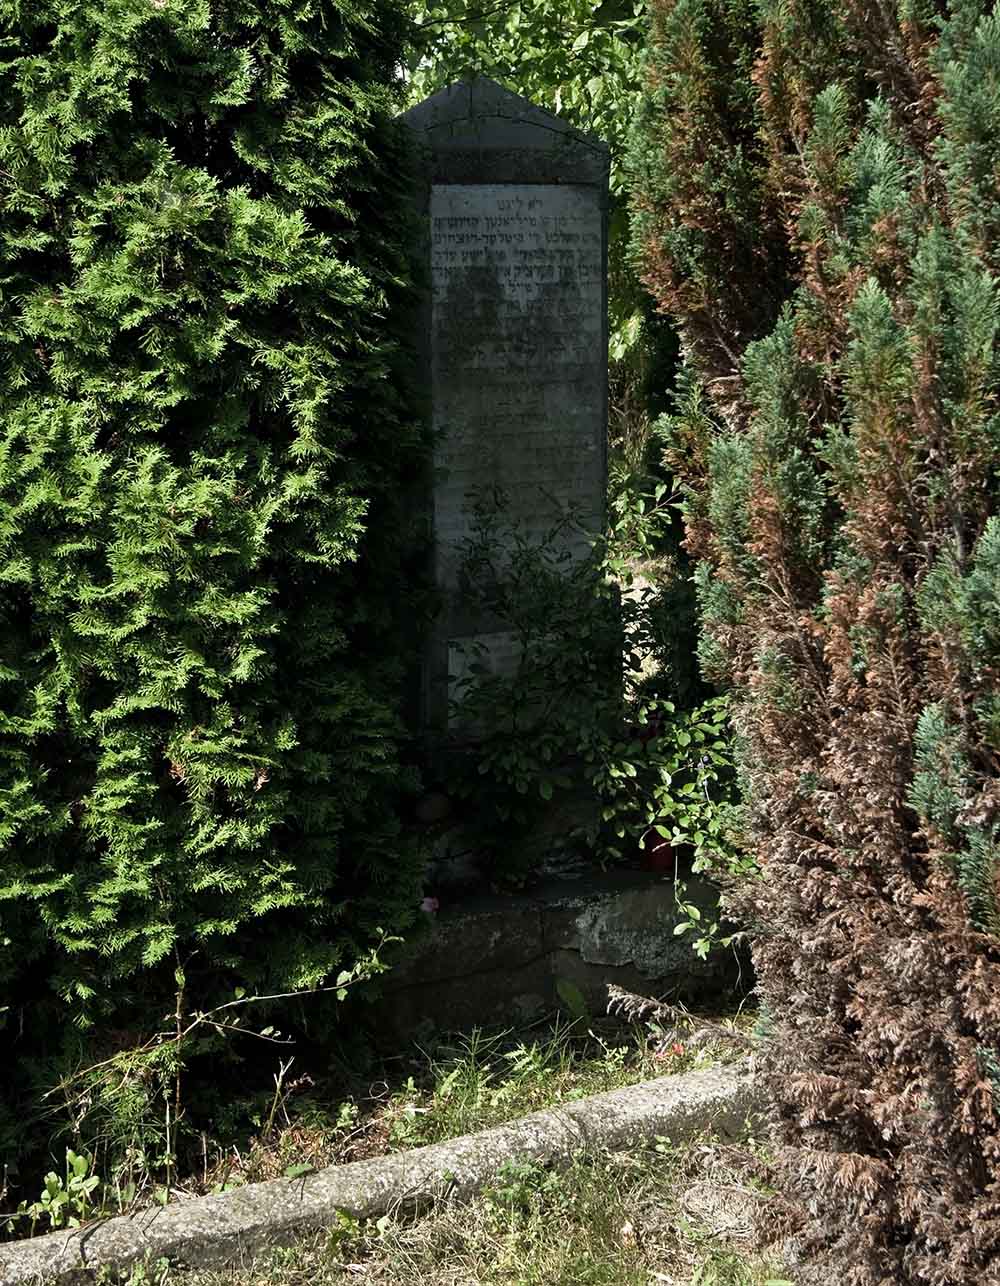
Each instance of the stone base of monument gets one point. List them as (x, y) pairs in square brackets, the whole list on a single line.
[(463, 862), (506, 959)]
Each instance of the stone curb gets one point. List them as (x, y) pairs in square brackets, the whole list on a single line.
[(226, 1228)]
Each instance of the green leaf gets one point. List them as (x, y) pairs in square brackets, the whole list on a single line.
[(572, 997)]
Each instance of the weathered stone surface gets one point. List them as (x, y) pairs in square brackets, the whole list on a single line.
[(636, 927), (592, 981), (519, 362), (232, 1227), (515, 339), (500, 958), (478, 936), (478, 132), (515, 995)]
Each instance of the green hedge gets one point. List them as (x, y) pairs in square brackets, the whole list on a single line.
[(203, 441)]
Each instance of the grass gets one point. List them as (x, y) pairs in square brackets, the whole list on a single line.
[(668, 1215), (459, 1085), (676, 1216), (468, 1083), (485, 1080)]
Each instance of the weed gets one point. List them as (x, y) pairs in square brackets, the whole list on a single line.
[(66, 1200), (157, 1273), (611, 1220), (486, 1079), (128, 1111)]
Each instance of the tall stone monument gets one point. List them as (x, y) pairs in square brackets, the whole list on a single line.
[(514, 335)]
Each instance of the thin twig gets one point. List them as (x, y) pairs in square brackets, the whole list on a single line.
[(198, 1018), (469, 17)]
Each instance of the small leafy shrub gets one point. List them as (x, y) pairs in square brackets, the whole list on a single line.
[(672, 788), (532, 728), (66, 1201), (670, 777), (584, 711)]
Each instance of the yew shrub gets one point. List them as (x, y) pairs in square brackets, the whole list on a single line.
[(204, 442)]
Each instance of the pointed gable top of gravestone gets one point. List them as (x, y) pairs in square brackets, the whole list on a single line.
[(480, 98), (477, 131)]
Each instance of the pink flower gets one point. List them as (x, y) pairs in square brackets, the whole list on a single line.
[(430, 905)]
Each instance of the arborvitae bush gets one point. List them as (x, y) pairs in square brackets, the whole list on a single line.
[(819, 210), (204, 441)]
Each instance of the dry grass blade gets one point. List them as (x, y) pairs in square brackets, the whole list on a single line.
[(697, 1030)]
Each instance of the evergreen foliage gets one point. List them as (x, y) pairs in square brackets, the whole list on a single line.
[(204, 447), (818, 210)]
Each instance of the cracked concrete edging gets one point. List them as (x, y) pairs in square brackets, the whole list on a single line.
[(227, 1228)]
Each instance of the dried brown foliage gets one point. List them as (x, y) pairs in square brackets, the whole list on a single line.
[(820, 214)]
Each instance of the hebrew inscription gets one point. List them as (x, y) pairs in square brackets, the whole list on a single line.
[(518, 354)]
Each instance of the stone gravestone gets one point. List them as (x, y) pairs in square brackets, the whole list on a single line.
[(515, 339)]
